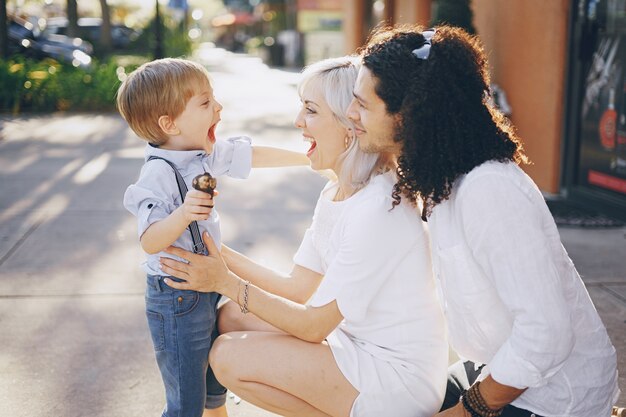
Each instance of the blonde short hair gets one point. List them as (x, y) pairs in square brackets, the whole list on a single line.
[(158, 88), (335, 77)]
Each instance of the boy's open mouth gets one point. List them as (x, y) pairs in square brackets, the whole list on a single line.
[(211, 134)]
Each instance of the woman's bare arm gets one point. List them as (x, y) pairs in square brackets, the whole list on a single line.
[(298, 286)]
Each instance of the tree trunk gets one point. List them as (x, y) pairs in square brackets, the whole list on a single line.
[(158, 47), (72, 18), (106, 44), (4, 30)]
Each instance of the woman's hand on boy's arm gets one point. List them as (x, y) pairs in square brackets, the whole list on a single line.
[(200, 272), (269, 157)]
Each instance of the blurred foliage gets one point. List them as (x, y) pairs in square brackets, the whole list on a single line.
[(455, 13), (252, 45), (47, 85), (176, 43)]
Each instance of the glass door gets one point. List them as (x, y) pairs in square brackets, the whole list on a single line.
[(601, 156)]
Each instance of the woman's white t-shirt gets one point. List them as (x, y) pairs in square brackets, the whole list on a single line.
[(376, 263)]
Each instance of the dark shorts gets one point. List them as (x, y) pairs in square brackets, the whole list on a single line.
[(461, 376)]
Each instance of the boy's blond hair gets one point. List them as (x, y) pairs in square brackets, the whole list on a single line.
[(158, 88)]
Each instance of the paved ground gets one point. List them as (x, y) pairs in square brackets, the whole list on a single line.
[(74, 339)]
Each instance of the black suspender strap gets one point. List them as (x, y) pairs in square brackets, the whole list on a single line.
[(196, 237)]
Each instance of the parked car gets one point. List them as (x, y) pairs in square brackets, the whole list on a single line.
[(27, 39), (90, 28)]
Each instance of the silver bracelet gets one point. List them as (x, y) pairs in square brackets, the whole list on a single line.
[(244, 306)]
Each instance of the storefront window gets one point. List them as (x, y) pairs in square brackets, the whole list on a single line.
[(602, 153)]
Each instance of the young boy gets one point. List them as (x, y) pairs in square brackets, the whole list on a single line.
[(170, 104)]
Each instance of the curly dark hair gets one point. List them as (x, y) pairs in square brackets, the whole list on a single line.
[(447, 124)]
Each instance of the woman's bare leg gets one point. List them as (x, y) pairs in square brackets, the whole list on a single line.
[(282, 374), (230, 319), (283, 404)]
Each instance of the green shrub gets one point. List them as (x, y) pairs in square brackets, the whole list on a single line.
[(47, 85)]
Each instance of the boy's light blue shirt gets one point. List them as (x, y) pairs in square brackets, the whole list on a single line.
[(155, 195)]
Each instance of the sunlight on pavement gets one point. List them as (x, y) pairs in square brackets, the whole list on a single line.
[(67, 129), (26, 202), (20, 164), (136, 152), (92, 169), (52, 208)]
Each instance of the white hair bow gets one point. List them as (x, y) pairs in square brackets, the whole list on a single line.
[(424, 51)]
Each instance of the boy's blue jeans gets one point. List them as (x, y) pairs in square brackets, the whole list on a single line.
[(183, 328)]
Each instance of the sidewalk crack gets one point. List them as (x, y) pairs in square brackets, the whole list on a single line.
[(19, 242), (613, 293)]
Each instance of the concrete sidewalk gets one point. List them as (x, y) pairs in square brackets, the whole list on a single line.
[(74, 337)]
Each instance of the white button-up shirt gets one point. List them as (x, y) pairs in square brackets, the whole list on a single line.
[(155, 195), (513, 299)]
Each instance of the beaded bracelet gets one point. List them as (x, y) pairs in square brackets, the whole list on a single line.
[(474, 402), (468, 407)]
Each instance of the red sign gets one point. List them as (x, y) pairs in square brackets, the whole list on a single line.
[(606, 181)]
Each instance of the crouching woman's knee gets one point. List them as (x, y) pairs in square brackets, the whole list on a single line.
[(221, 360)]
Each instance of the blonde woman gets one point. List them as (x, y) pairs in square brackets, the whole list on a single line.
[(356, 330)]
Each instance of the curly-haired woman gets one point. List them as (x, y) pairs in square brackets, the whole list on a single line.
[(512, 297), (357, 329)]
